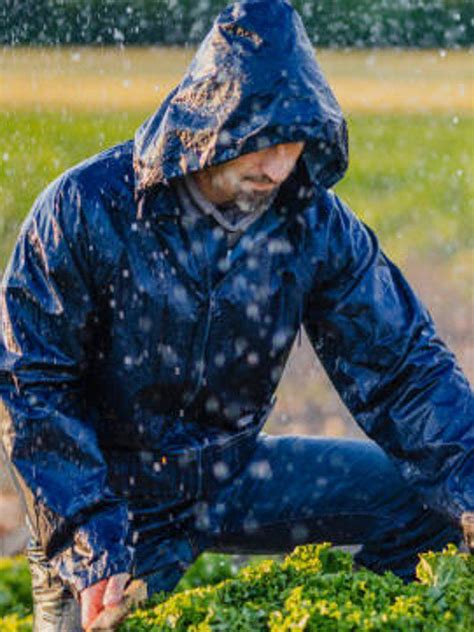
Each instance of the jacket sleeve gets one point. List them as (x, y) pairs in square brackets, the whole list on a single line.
[(48, 432), (380, 349)]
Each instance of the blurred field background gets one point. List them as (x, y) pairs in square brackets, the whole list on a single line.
[(411, 125)]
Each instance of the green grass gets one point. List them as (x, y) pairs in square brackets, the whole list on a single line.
[(39, 148), (410, 175), (411, 178)]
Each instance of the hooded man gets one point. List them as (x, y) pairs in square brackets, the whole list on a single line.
[(149, 308)]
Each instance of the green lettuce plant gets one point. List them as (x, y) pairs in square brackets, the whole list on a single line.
[(315, 588)]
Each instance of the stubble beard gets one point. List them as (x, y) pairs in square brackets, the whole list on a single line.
[(254, 202)]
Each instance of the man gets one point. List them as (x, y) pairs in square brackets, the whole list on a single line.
[(148, 311)]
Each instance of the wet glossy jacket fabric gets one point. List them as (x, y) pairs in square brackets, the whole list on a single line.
[(133, 339)]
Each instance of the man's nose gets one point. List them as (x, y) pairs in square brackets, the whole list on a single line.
[(277, 164)]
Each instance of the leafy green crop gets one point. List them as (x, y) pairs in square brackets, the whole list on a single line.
[(314, 589)]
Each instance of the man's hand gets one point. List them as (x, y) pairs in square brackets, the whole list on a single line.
[(103, 594), (467, 522)]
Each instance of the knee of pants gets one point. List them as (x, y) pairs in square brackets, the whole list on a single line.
[(54, 607)]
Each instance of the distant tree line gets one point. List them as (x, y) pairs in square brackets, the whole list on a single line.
[(333, 23)]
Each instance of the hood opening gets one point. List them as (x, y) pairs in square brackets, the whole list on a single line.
[(253, 83)]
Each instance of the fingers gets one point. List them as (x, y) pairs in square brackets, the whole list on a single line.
[(115, 588), (91, 602), (103, 594)]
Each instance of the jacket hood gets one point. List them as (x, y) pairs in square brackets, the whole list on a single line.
[(253, 83)]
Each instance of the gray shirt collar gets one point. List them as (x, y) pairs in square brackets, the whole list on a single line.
[(189, 193)]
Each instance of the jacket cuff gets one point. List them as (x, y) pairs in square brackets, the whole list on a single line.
[(99, 550)]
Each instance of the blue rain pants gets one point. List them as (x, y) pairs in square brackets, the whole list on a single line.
[(291, 490)]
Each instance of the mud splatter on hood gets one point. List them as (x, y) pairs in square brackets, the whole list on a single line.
[(253, 83)]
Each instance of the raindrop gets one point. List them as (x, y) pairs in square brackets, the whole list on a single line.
[(212, 405), (221, 470), (253, 311), (253, 358), (299, 533), (219, 360), (261, 469)]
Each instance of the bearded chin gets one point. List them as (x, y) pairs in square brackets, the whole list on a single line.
[(255, 202)]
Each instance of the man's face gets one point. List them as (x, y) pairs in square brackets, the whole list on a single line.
[(250, 181)]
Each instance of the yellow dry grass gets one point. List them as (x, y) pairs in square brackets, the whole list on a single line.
[(139, 78)]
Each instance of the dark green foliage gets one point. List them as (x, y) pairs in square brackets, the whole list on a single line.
[(208, 570), (330, 22)]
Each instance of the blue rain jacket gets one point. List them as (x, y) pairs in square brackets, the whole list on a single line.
[(132, 338)]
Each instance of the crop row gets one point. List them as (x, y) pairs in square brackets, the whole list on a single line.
[(315, 588)]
